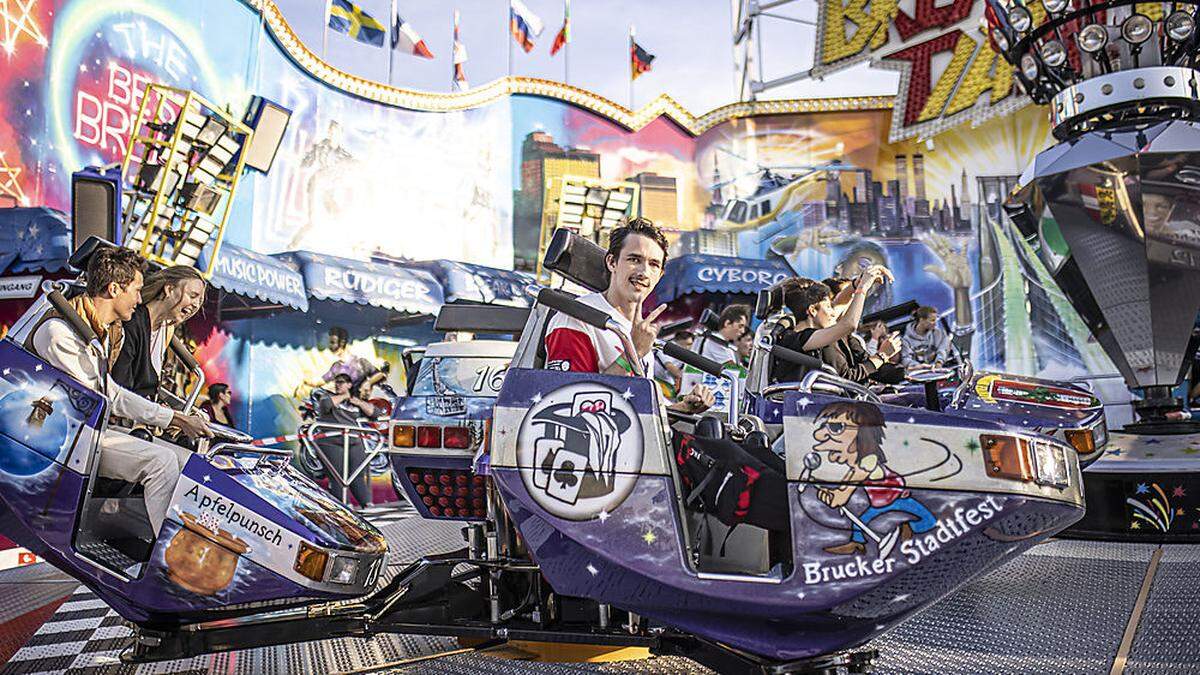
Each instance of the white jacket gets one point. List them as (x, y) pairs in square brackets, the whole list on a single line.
[(59, 346)]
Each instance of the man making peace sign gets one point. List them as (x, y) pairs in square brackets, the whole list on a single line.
[(637, 252)]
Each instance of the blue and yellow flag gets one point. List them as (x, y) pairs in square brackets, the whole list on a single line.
[(347, 17)]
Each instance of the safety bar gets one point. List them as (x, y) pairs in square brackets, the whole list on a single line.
[(567, 304), (818, 380), (190, 362), (346, 477), (227, 448), (705, 365)]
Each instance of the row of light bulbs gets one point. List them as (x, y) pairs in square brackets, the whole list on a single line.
[(1179, 26)]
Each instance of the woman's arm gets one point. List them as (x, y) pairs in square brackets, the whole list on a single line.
[(848, 323)]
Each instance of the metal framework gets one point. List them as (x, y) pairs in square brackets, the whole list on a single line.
[(748, 19)]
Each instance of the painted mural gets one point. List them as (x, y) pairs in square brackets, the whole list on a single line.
[(822, 192)]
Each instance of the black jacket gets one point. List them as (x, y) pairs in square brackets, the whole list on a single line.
[(133, 369), (849, 362)]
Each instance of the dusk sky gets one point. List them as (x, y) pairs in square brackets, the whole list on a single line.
[(689, 38)]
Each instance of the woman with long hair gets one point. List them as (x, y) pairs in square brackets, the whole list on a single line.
[(170, 297)]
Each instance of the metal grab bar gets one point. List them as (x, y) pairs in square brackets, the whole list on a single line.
[(345, 477)]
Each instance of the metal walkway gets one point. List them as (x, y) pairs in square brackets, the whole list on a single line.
[(1064, 607)]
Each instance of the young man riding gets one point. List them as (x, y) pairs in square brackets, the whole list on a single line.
[(637, 252), (114, 284)]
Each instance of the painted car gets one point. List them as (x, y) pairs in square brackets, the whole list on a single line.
[(439, 427), (1061, 410), (243, 531)]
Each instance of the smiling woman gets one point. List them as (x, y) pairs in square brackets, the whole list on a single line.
[(170, 297)]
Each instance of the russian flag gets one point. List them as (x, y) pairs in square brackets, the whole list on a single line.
[(524, 24), (404, 35)]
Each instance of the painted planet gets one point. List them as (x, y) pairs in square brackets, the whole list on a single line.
[(28, 449)]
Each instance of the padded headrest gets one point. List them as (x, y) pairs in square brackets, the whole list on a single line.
[(481, 319), (769, 301), (890, 314), (79, 259), (577, 259)]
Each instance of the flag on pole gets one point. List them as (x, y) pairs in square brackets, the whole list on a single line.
[(347, 17), (639, 59), (403, 35), (524, 24), (460, 57), (564, 33)]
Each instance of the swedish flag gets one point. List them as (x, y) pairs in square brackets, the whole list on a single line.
[(347, 17)]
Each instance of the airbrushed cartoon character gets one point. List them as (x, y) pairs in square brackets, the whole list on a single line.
[(852, 433), (576, 454)]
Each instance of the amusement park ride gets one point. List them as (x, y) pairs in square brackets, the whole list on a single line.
[(581, 527)]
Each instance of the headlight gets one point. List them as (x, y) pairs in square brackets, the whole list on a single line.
[(1020, 18), (1180, 26), (1055, 6), (343, 570), (1029, 66), (1054, 54), (1050, 464), (1137, 29), (999, 39), (1031, 461), (1092, 38)]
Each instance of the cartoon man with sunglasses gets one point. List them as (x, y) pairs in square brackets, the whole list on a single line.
[(852, 433)]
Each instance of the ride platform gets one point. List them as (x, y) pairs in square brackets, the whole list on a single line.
[(1146, 488), (1064, 606)]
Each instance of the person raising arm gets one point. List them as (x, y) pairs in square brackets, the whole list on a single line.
[(637, 251)]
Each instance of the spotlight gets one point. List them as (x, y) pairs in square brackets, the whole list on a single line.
[(999, 39), (1180, 26), (1137, 29), (1054, 54), (1093, 38), (1020, 18), (1055, 6), (1029, 66)]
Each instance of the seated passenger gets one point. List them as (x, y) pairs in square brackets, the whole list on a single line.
[(729, 481), (721, 345), (818, 327), (924, 342), (854, 348), (114, 283), (637, 252), (170, 297)]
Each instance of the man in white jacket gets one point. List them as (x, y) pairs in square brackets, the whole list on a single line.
[(114, 282)]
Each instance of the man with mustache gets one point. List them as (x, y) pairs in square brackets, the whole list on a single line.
[(637, 251)]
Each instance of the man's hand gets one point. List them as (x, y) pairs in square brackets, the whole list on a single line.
[(835, 498), (194, 426), (645, 332), (699, 399), (889, 346), (955, 268)]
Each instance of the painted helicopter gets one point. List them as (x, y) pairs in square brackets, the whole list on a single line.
[(592, 527)]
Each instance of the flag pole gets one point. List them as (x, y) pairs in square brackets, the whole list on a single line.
[(508, 38), (393, 40), (567, 46), (632, 35), (325, 31)]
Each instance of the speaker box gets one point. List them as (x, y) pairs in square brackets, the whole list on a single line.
[(269, 121), (95, 205)]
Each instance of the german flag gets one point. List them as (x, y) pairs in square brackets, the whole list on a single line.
[(639, 59)]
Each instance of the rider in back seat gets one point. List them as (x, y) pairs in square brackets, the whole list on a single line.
[(114, 283), (637, 252), (818, 329)]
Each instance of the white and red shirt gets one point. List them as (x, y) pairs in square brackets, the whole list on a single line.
[(575, 346)]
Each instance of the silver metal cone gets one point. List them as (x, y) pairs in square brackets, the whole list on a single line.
[(1120, 231)]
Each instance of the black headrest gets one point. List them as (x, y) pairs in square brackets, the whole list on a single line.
[(890, 314), (79, 259), (769, 301), (577, 259), (481, 319)]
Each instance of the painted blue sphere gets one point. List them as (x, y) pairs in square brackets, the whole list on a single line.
[(28, 449)]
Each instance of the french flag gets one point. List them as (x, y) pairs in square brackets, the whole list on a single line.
[(524, 24), (404, 35)]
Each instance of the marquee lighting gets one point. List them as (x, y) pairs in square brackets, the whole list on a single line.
[(1093, 38), (1137, 29), (1180, 26)]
